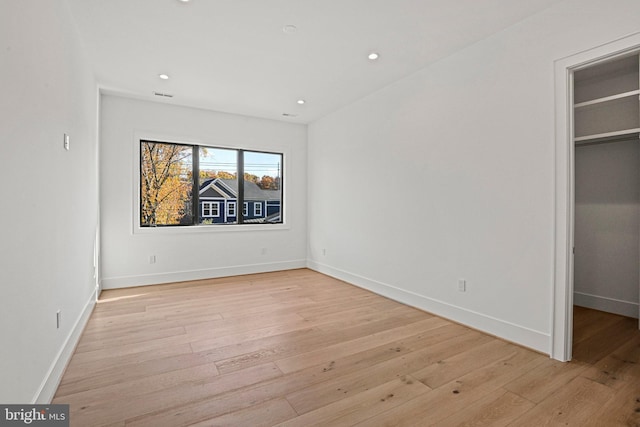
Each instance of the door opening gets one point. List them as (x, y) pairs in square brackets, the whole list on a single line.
[(566, 136)]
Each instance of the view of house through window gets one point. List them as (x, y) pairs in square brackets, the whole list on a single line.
[(191, 185)]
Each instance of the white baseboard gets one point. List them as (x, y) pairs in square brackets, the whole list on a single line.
[(610, 305), (209, 273), (526, 337), (49, 385)]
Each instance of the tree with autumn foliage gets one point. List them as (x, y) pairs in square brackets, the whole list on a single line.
[(269, 183), (266, 182), (251, 177), (165, 184), (208, 174)]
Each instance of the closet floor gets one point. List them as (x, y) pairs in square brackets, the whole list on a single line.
[(597, 334)]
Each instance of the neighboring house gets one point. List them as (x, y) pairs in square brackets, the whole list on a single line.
[(219, 202)]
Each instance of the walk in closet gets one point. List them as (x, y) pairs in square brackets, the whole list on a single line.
[(607, 186)]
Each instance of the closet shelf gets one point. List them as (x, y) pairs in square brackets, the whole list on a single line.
[(608, 136), (607, 98)]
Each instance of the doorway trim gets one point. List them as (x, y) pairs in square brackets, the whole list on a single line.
[(562, 298)]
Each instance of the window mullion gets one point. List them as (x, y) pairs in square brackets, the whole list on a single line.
[(195, 191), (240, 201)]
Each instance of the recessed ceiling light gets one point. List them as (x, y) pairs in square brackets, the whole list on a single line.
[(289, 29), (373, 56), (301, 101), (164, 76), (183, 1)]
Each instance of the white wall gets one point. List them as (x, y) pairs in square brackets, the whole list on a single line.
[(449, 174), (49, 195), (192, 252), (607, 227)]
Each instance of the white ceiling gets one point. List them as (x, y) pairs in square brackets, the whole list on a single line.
[(233, 55)]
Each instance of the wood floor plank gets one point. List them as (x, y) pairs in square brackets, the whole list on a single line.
[(598, 345), (201, 409), (330, 391), (618, 368), (264, 414), (345, 307), (551, 375), (256, 328), (129, 338), (131, 388), (298, 348), (498, 408), (104, 412), (361, 406), (587, 323), (217, 338), (300, 380), (446, 370), (80, 369), (285, 348), (572, 405), (223, 326), (461, 393), (147, 350), (114, 327), (346, 347), (623, 409), (364, 315), (234, 357)]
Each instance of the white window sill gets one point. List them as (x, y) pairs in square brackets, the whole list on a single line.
[(209, 228)]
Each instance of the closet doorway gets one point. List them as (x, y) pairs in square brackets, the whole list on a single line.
[(562, 308), (606, 214)]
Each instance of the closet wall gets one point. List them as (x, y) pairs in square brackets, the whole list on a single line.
[(607, 224), (607, 187)]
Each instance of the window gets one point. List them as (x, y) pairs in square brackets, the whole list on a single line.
[(210, 209), (178, 182), (165, 185), (231, 209)]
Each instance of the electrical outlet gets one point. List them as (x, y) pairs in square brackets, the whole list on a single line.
[(152, 259), (58, 319), (462, 285), (66, 142)]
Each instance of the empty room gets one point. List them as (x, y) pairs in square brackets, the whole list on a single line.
[(297, 213)]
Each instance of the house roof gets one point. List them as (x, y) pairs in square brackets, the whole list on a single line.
[(251, 189)]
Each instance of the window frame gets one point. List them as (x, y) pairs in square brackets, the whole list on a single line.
[(137, 228), (230, 205), (213, 213), (206, 207)]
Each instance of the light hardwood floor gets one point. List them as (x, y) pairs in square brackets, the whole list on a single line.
[(298, 348)]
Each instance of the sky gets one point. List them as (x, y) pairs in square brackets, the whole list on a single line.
[(255, 163)]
